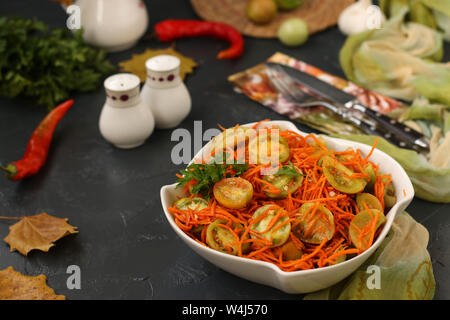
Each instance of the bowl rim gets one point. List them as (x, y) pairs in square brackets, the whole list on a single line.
[(288, 125)]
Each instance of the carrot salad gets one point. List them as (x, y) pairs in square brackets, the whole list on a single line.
[(317, 207)]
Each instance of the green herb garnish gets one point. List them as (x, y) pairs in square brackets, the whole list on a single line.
[(206, 175), (288, 170), (47, 65)]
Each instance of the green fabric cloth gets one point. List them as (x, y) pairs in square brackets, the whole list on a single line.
[(400, 269), (398, 60)]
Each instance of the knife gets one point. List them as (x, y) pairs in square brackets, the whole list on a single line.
[(390, 125)]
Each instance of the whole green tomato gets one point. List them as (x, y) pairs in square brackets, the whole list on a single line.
[(261, 11), (293, 32), (288, 4)]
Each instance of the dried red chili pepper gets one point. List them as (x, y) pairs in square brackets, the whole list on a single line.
[(38, 145), (169, 30)]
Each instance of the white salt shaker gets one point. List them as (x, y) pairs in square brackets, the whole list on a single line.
[(125, 120), (164, 91)]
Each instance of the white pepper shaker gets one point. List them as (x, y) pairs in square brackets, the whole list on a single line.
[(164, 91), (125, 120)]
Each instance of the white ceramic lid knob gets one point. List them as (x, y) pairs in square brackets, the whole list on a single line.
[(163, 71)]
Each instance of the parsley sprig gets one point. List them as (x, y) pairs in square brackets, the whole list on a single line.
[(288, 170), (206, 175)]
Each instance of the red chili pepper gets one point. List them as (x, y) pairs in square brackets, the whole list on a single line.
[(38, 145), (169, 30)]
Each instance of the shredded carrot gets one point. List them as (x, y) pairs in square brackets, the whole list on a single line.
[(259, 123), (305, 152)]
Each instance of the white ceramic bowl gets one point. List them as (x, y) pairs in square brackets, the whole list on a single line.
[(302, 281)]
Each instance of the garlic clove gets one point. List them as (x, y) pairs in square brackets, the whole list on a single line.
[(359, 17)]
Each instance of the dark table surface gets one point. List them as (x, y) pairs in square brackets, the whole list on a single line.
[(125, 248)]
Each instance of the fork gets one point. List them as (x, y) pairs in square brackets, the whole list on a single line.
[(290, 91)]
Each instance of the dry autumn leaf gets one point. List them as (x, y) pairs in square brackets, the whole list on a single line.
[(16, 286), (37, 232), (136, 64)]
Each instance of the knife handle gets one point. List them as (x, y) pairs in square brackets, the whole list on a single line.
[(392, 127), (370, 129)]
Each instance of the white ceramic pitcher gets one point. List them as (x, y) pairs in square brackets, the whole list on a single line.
[(113, 25)]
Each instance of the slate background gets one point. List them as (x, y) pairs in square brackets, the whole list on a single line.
[(125, 248)]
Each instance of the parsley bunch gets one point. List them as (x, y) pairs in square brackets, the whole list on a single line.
[(206, 175), (47, 65)]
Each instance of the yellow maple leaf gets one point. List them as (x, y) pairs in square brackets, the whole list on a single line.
[(16, 286), (37, 232), (136, 64)]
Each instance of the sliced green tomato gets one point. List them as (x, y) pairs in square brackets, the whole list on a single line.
[(264, 148), (389, 196), (316, 145), (290, 252), (285, 183), (318, 152), (345, 157), (338, 176), (222, 239), (368, 168), (233, 193), (359, 229), (197, 230), (314, 226), (232, 138), (340, 259), (277, 235), (191, 203), (370, 200)]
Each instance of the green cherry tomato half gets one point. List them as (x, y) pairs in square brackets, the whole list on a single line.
[(368, 168), (232, 138), (293, 32), (196, 204), (233, 193), (339, 175), (264, 148), (389, 196), (370, 200), (222, 239), (340, 259), (290, 252), (284, 182), (360, 227), (314, 225), (276, 234)]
